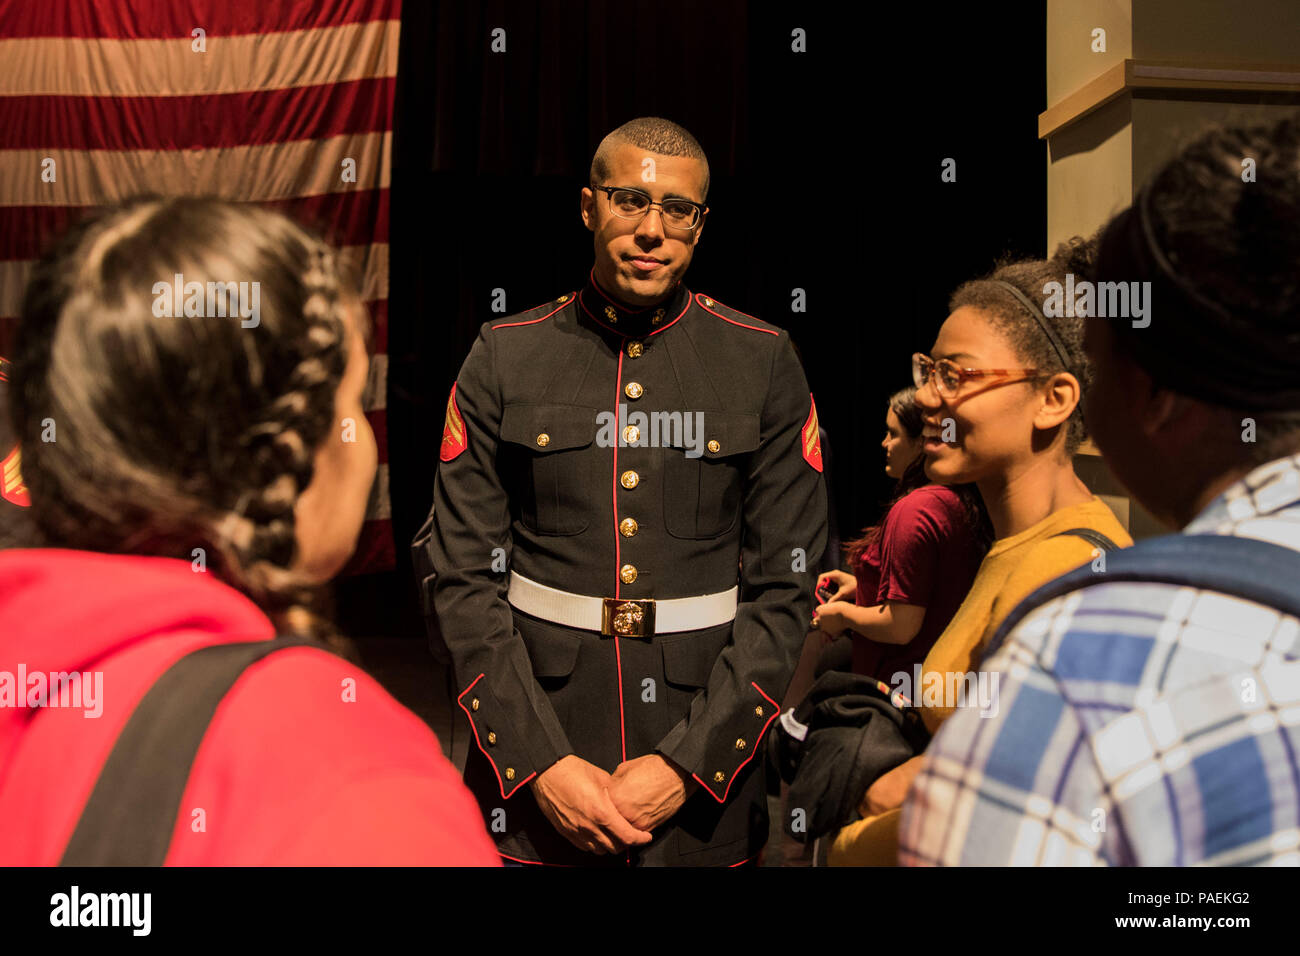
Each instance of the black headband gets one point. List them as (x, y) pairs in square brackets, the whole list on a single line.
[(1199, 347), (1037, 313)]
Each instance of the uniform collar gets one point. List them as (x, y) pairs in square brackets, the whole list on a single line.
[(599, 305)]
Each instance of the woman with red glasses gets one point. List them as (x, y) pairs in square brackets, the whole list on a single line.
[(1001, 399)]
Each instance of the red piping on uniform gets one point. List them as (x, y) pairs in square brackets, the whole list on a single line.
[(618, 557), (776, 709), (674, 321), (618, 553), (733, 321), (622, 733), (534, 862), (506, 325), (583, 303), (741, 863), (460, 700)]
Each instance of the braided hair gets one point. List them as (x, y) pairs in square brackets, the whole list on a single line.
[(183, 434)]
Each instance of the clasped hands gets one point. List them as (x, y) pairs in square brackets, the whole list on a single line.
[(606, 813)]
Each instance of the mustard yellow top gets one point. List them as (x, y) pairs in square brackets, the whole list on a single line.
[(1013, 569)]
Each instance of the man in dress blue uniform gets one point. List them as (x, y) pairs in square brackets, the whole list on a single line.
[(627, 520)]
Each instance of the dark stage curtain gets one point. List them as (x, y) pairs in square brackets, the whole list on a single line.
[(824, 171)]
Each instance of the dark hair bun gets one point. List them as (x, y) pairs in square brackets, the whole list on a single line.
[(1076, 255)]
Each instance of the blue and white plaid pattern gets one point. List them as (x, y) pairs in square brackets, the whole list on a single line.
[(1137, 724)]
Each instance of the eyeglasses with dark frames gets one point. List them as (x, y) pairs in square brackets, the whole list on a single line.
[(635, 205)]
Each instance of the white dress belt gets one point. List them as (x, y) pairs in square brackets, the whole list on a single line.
[(594, 614)]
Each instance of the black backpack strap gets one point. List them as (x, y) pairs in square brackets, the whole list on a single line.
[(1095, 538), (131, 813), (1247, 568)]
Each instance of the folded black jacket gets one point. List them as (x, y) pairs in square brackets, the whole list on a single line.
[(843, 736)]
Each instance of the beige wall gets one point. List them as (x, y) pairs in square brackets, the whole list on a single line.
[(1161, 127), (1217, 31), (1070, 60), (1089, 172)]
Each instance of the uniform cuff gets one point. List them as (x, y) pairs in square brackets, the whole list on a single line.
[(505, 750), (729, 747)]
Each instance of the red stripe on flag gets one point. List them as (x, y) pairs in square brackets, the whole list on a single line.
[(374, 549), (379, 425), (187, 122), (27, 231), (378, 309), (161, 19), (344, 219)]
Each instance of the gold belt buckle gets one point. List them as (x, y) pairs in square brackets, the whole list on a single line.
[(634, 618)]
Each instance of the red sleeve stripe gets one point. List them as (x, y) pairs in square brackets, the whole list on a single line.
[(700, 299), (461, 700)]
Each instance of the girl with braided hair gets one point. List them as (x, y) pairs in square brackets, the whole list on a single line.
[(198, 466)]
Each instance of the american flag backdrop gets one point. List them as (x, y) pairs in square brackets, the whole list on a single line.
[(285, 104)]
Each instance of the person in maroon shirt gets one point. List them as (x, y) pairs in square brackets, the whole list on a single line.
[(912, 570)]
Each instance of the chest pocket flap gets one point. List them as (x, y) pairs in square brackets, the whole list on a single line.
[(735, 434), (548, 428), (543, 448)]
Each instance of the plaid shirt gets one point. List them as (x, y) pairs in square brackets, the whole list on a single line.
[(1137, 724)]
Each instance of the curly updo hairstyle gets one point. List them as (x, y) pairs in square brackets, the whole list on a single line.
[(173, 433), (1020, 329)]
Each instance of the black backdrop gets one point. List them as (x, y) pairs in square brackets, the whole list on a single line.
[(825, 176)]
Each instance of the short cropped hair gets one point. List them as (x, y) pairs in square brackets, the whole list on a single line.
[(653, 134)]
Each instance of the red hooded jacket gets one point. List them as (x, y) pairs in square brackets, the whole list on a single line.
[(289, 772)]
